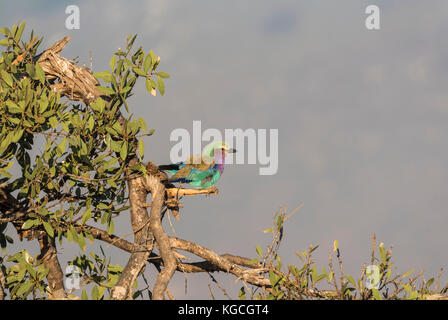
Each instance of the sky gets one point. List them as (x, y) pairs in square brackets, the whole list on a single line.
[(361, 117)]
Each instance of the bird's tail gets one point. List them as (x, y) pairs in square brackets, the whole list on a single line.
[(169, 167)]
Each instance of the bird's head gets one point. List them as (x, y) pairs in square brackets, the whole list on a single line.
[(221, 147)]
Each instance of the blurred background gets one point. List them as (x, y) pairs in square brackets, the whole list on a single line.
[(361, 116)]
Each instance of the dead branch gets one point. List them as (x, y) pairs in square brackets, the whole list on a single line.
[(178, 192), (251, 276), (74, 82), (172, 197)]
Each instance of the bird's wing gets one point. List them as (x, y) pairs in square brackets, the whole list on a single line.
[(192, 171)]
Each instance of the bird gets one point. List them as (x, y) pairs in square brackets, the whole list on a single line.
[(200, 171)]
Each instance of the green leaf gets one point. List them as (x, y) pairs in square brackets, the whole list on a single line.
[(163, 74), (12, 107), (48, 228), (69, 236), (91, 123), (142, 123), (147, 63), (148, 85), (24, 287), (273, 278), (319, 278), (4, 42), (62, 146), (28, 224), (314, 273), (112, 62), (161, 85), (74, 233), (81, 241), (117, 127), (139, 72), (408, 273), (98, 105), (110, 227), (40, 73), (376, 294), (84, 295), (6, 78), (101, 292), (105, 90), (105, 76), (124, 151), (53, 122), (259, 251), (19, 32), (407, 287), (86, 216), (153, 56), (43, 105), (269, 230), (383, 254), (141, 147)]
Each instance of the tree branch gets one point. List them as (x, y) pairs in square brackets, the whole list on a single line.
[(209, 265), (155, 185), (2, 285), (75, 82), (142, 235), (55, 277), (251, 275)]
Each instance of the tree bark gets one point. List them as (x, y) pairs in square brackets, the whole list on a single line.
[(155, 185), (55, 277), (2, 285), (142, 236)]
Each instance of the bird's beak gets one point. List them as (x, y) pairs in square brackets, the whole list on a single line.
[(231, 150)]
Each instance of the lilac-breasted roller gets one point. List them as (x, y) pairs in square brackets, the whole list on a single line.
[(201, 171)]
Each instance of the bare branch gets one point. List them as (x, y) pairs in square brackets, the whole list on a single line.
[(251, 276), (75, 82)]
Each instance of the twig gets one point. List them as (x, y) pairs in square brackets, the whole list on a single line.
[(211, 293), (220, 287)]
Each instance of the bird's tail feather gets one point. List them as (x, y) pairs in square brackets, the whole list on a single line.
[(169, 167), (183, 180)]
